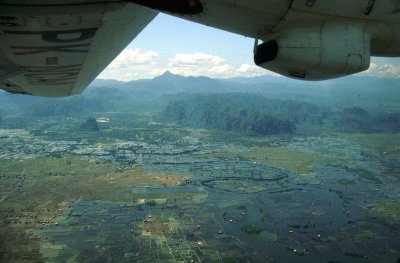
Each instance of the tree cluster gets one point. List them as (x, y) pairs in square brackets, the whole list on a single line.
[(90, 125), (247, 114), (357, 119), (66, 107)]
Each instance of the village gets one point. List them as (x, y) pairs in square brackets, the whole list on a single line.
[(21, 144)]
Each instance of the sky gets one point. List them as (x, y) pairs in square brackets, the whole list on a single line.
[(189, 49)]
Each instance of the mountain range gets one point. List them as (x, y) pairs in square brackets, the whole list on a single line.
[(369, 92), (366, 92)]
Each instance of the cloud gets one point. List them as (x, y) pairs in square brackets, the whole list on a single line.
[(195, 59), (383, 71), (246, 70), (133, 57), (202, 64), (199, 64), (132, 64)]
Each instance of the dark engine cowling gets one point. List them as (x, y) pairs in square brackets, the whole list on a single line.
[(182, 7), (317, 52)]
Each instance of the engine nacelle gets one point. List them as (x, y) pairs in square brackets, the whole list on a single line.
[(183, 7), (317, 52)]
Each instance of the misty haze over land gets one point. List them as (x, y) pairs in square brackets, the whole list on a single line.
[(352, 104)]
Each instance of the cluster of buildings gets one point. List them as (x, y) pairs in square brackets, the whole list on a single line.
[(20, 145)]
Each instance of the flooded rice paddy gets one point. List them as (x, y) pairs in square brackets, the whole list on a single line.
[(228, 207)]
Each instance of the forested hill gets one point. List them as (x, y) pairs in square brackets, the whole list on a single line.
[(258, 115), (256, 106), (357, 119), (366, 92), (244, 113)]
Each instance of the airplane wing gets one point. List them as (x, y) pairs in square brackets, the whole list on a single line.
[(55, 48)]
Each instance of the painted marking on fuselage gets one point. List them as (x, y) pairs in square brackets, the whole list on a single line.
[(54, 75), (70, 42), (54, 36), (43, 49)]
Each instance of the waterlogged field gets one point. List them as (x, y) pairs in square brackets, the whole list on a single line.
[(154, 192)]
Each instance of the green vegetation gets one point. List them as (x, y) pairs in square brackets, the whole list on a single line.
[(246, 114), (352, 119), (389, 208), (252, 229), (44, 167), (253, 123), (367, 234), (381, 144), (184, 177), (357, 119), (294, 161), (90, 125), (327, 239), (365, 174), (67, 107), (257, 115), (55, 179)]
